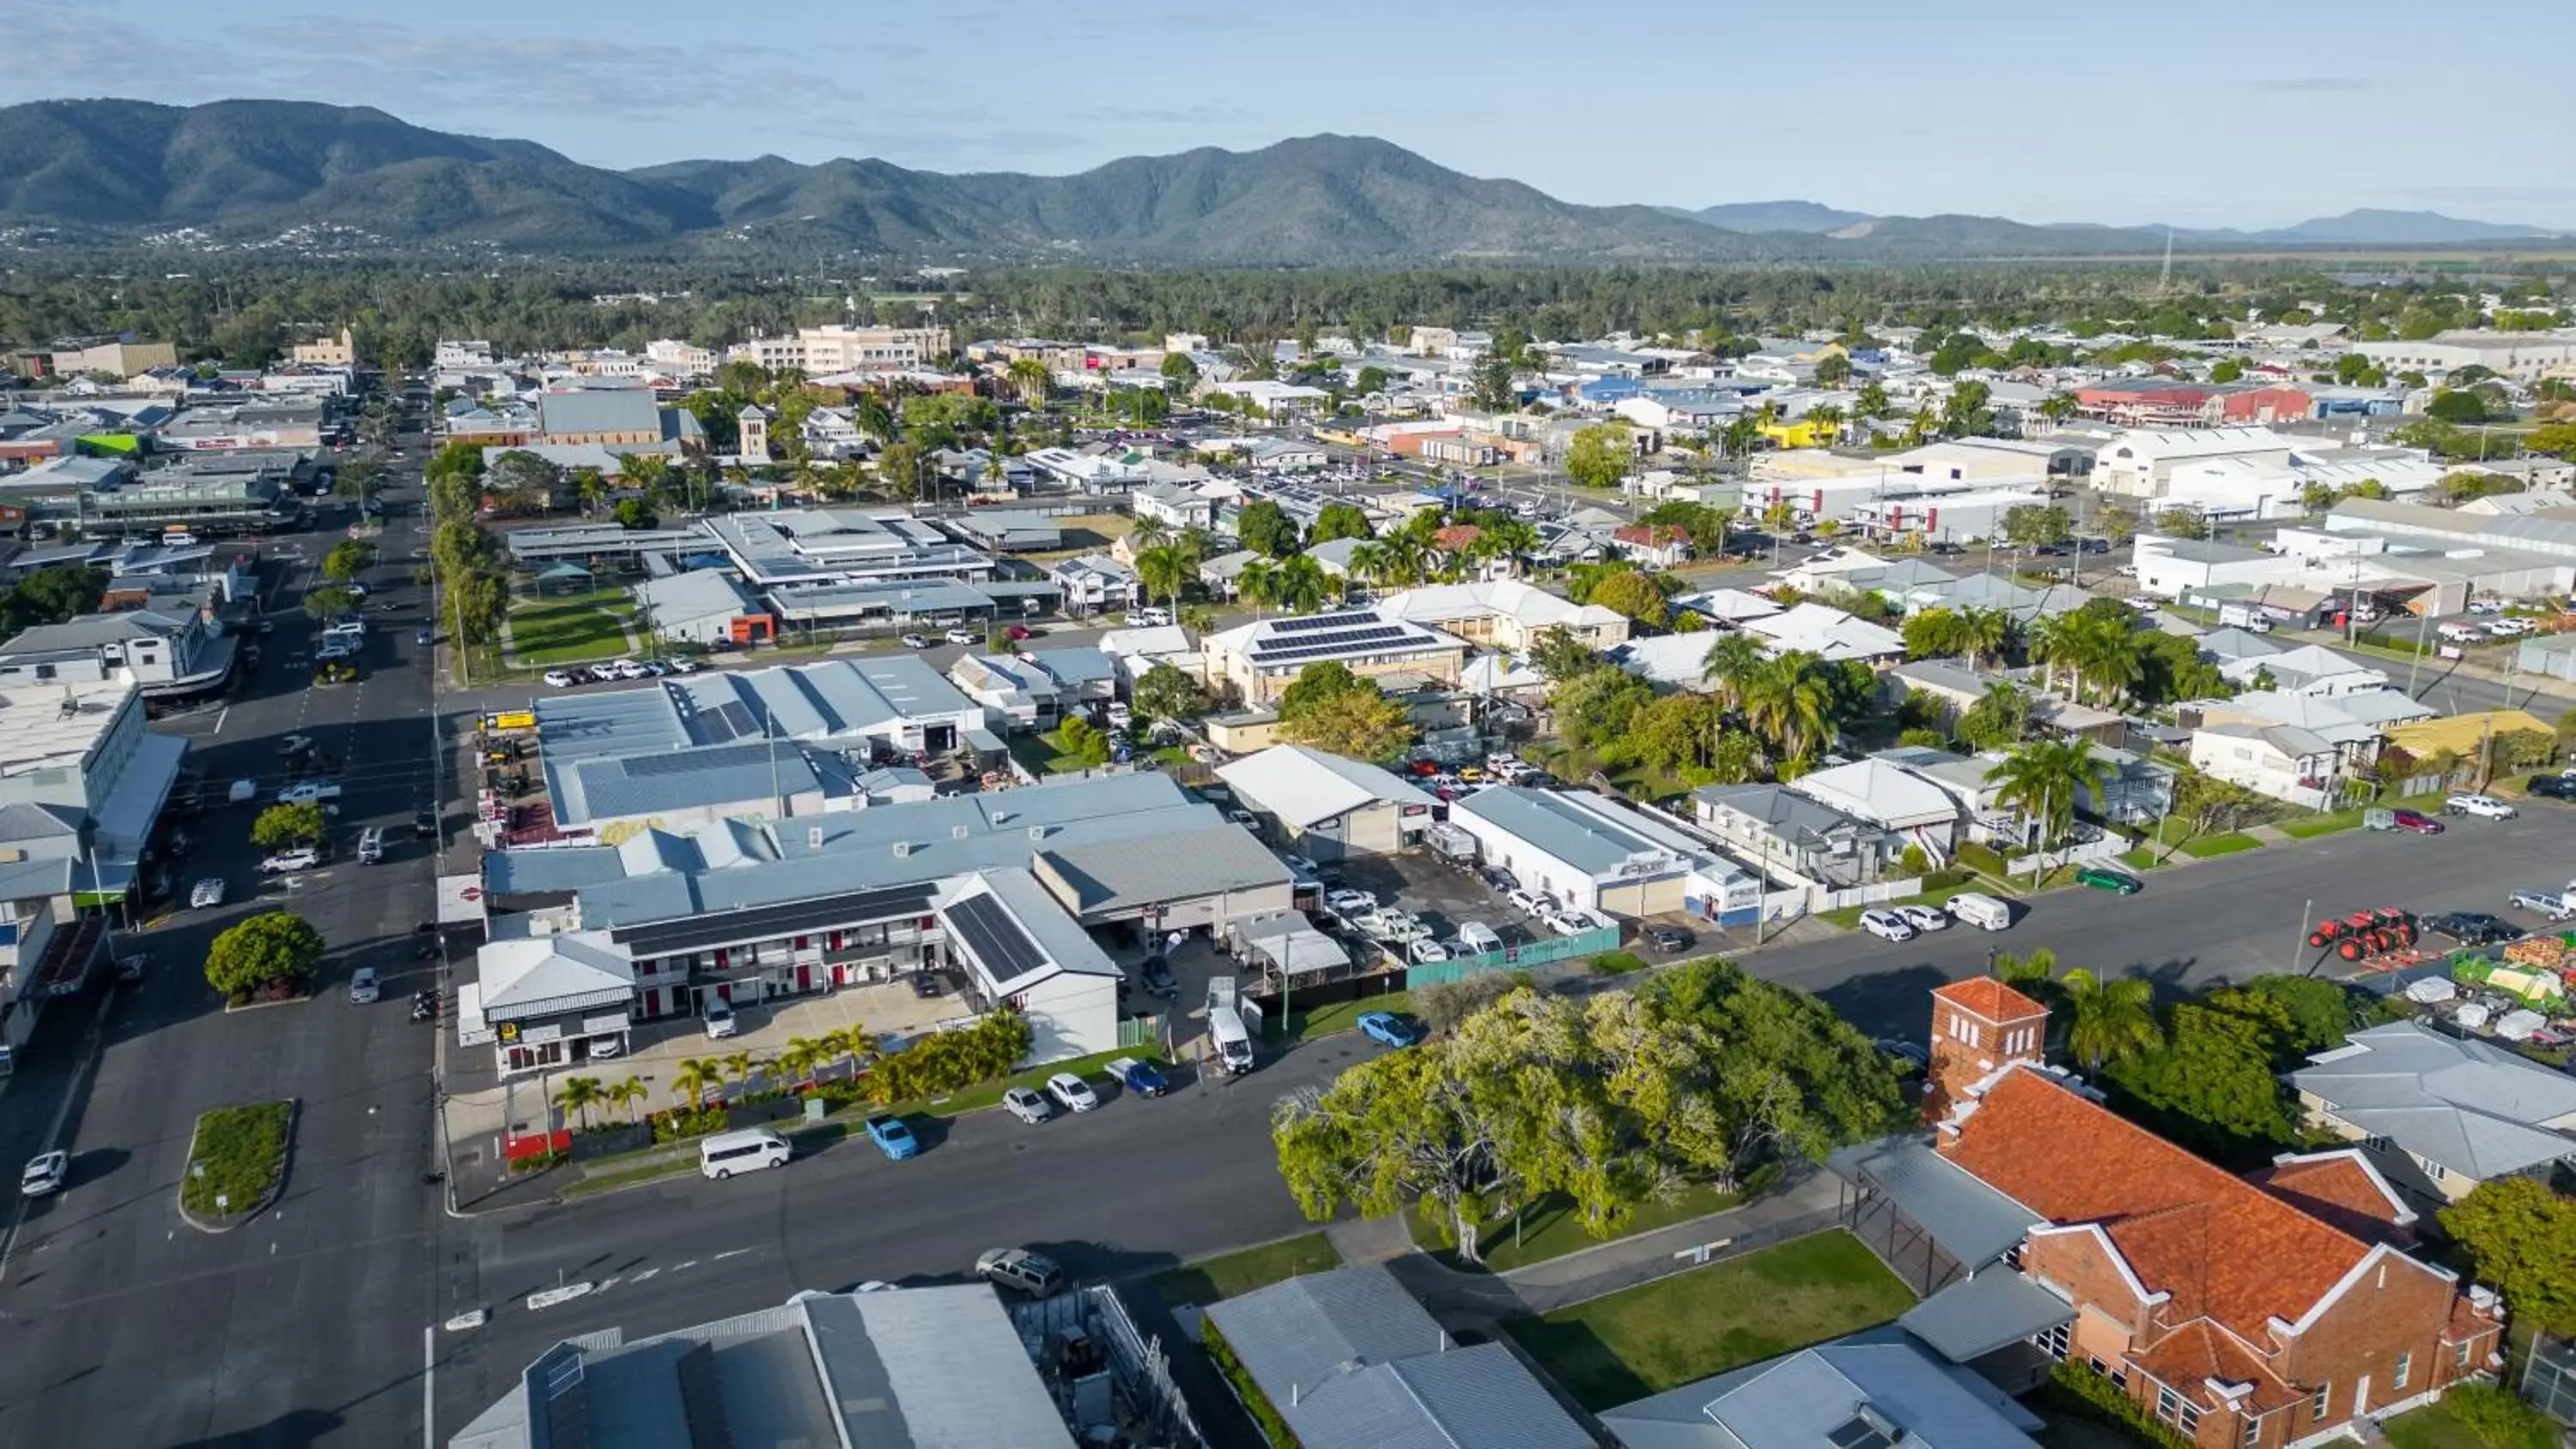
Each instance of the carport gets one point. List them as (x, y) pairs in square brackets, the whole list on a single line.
[(1287, 946)]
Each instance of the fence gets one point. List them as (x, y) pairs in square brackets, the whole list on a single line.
[(2104, 847), (1135, 1390), (2549, 1378), (1513, 958)]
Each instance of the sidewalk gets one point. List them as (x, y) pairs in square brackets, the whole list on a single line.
[(1479, 1299)]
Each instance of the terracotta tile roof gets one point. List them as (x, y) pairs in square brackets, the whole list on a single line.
[(2341, 1189), (2185, 1359), (1457, 536), (1652, 534), (2218, 1244), (1988, 999)]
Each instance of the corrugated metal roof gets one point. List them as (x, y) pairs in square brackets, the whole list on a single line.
[(1114, 875), (1795, 1401), (1974, 1317), (1305, 787), (2473, 1107), (1971, 1221)]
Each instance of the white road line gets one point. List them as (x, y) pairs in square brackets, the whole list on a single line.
[(728, 1253), (428, 1387), (689, 1264), (647, 1273)]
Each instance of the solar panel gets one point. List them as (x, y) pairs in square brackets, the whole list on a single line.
[(1331, 643), (1322, 621), (995, 938), (1864, 1430)]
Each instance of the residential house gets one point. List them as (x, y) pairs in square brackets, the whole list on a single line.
[(1783, 830), (1653, 545), (1328, 807), (1899, 802), (1505, 614), (2437, 1114), (1334, 555), (2045, 1227), (1876, 1389), (1095, 583), (1828, 633), (1137, 650), (1350, 1361), (2306, 669), (827, 1368), (2282, 761), (1593, 854), (1261, 659), (1179, 508)]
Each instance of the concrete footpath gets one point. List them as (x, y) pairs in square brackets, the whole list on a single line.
[(1479, 1300)]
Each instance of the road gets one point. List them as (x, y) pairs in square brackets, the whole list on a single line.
[(303, 1325)]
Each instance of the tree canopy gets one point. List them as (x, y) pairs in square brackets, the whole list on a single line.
[(1266, 529), (272, 949)]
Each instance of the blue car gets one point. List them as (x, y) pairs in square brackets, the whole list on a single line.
[(1388, 1028), (893, 1137)]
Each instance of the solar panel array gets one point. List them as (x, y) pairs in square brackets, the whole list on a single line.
[(1307, 646), (995, 938), (1321, 621), (690, 762)]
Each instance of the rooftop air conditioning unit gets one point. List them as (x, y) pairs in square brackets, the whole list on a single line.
[(902, 848)]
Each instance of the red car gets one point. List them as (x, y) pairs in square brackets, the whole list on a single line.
[(1425, 768), (2418, 822), (1017, 632)]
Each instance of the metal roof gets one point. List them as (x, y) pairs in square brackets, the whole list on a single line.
[(1107, 876), (1569, 827), (2473, 1107), (1969, 1220), (1796, 1401), (1979, 1314), (599, 410), (1304, 787)]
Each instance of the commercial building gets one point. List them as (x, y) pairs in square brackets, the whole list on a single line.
[(704, 606), (167, 657), (1261, 659), (2523, 356), (2142, 463), (1592, 854), (934, 1368), (1327, 807), (816, 351), (798, 550), (117, 357)]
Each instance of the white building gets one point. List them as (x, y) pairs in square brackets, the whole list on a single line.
[(1592, 854), (1330, 808), (2167, 566), (1025, 951), (2142, 463), (2525, 356)]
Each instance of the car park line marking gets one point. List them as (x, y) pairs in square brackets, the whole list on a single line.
[(428, 1387), (647, 1274), (728, 1253)]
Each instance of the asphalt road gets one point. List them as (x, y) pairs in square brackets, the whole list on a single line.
[(304, 1325)]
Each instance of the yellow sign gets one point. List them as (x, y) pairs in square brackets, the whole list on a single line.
[(507, 1031), (511, 719)]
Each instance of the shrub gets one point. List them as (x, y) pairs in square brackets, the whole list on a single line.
[(1617, 963), (2078, 1390), (540, 1161), (1973, 856), (1264, 1413), (681, 1124), (236, 1154), (2494, 1417), (1947, 877)]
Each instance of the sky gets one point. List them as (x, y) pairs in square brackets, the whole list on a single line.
[(2195, 112)]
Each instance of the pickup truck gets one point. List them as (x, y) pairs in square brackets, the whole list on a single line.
[(1138, 1076), (892, 1138)]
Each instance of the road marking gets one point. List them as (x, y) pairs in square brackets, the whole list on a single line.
[(647, 1273), (95, 1043), (548, 1298), (428, 1387), (689, 1264), (728, 1253)]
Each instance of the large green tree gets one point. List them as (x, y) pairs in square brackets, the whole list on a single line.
[(1633, 594), (272, 949), (282, 826), (1339, 520), (1359, 725), (1599, 455), (1266, 529), (1167, 692), (2520, 1235)]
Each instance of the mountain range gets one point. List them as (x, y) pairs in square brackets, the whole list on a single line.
[(109, 170)]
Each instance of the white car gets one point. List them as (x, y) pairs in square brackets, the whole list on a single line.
[(1348, 904), (308, 792), (1423, 951), (2507, 628), (967, 637), (363, 988), (720, 1020), (2485, 807), (1924, 917), (290, 860), (1570, 923), (1072, 1092), (914, 641), (1026, 1105), (1886, 925), (2486, 606), (294, 744), (207, 892), (1531, 903), (557, 679), (44, 1175), (685, 666)]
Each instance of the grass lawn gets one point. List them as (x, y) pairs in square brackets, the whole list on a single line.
[(1848, 917), (1234, 1274), (2326, 822), (569, 630), (241, 1150), (1339, 1016), (2206, 846), (1668, 1332), (2436, 1426), (1046, 755), (1550, 1228)]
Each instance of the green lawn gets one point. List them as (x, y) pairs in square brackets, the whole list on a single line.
[(569, 630), (2438, 1426), (2326, 822), (1339, 1016), (1550, 1228), (1848, 917), (1235, 1274), (241, 1149), (2207, 846), (1046, 755), (1674, 1330)]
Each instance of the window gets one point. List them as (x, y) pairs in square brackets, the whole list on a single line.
[(2169, 1405), (2253, 1434), (2321, 1403), (2460, 1355), (2405, 1369), (2188, 1420), (2054, 1341)]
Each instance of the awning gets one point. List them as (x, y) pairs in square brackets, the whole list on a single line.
[(1970, 1221), (1292, 947), (1974, 1317), (124, 819), (460, 900)]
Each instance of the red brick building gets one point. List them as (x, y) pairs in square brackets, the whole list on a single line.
[(2265, 405), (2259, 1311)]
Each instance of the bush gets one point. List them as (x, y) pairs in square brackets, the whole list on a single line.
[(681, 1124), (1443, 1006), (2078, 1390), (2497, 1419), (1949, 877), (242, 1151), (1264, 1413), (540, 1161), (1617, 963)]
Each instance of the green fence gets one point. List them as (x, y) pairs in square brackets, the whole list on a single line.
[(1141, 1031), (1513, 958)]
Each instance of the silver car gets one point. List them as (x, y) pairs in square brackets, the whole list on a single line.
[(1026, 1105)]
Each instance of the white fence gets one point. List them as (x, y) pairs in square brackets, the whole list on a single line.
[(2104, 847)]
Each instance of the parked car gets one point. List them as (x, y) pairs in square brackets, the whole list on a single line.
[(1886, 925), (720, 1020), (1020, 1270), (2551, 787), (2508, 628), (1388, 1029), (966, 637), (362, 986), (1424, 951), (2473, 928), (686, 666), (1026, 1105), (1923, 917), (2105, 878), (893, 1137), (1570, 923), (207, 892), (2415, 822), (308, 792), (1071, 1092), (1158, 977), (559, 679), (1501, 880), (1532, 903), (289, 860), (1668, 938), (1138, 1076), (44, 1174), (1349, 903), (914, 641), (2485, 807), (2549, 905)]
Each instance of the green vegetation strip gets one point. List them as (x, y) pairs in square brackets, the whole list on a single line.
[(242, 1151), (2209, 846), (1674, 1330), (1234, 1274), (1549, 1228), (1340, 1015)]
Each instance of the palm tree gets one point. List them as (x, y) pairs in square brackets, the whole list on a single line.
[(2108, 1021), (1148, 532), (1826, 418), (578, 1096), (1984, 632), (1789, 706), (799, 1058), (1032, 379), (1731, 659), (1257, 584), (628, 1094), (1510, 538), (694, 1078), (1299, 584), (2055, 641), (2043, 780), (737, 1069), (1165, 572)]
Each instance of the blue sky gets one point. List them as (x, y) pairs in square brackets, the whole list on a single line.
[(2197, 112)]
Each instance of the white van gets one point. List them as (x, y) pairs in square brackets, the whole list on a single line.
[(1984, 912), (1479, 938), (727, 1153)]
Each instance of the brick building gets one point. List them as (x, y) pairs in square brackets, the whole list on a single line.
[(2268, 1310)]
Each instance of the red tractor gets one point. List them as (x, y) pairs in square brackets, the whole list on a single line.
[(2366, 933)]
